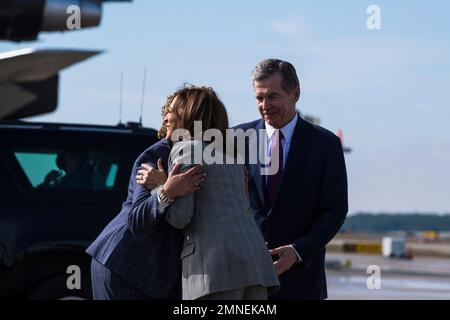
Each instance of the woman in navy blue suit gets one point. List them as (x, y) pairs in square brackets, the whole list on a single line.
[(137, 255)]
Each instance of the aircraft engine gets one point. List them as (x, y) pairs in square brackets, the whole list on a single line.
[(22, 20)]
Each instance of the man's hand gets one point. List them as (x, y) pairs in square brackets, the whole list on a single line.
[(182, 184), (150, 177), (287, 259)]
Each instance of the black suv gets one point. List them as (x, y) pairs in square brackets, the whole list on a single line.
[(60, 184)]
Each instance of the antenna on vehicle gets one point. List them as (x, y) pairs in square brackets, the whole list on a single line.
[(120, 99), (143, 95)]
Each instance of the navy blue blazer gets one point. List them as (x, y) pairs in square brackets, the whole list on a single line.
[(309, 209), (138, 244)]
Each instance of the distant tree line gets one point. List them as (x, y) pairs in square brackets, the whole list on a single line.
[(382, 222)]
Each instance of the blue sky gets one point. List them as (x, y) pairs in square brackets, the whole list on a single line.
[(387, 89)]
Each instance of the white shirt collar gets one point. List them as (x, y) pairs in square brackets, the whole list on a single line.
[(287, 130)]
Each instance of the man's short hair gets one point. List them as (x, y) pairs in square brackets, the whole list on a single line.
[(269, 67)]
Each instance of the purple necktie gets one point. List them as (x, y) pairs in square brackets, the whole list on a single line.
[(276, 153)]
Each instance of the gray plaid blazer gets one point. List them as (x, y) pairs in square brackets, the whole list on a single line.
[(223, 246)]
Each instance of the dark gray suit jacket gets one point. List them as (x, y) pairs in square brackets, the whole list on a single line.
[(309, 209)]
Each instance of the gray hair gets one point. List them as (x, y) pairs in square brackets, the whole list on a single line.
[(269, 67)]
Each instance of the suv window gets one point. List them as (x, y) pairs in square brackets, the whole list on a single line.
[(68, 169)]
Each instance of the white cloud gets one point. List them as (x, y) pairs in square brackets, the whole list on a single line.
[(292, 26)]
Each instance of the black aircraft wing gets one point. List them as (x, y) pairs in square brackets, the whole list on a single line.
[(29, 80)]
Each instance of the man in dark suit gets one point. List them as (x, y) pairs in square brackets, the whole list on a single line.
[(302, 206), (137, 256)]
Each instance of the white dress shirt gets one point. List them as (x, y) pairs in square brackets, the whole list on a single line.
[(288, 132)]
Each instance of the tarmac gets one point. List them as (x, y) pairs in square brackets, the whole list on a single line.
[(421, 278)]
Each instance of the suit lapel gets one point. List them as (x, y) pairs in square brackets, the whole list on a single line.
[(255, 170), (165, 156), (295, 160)]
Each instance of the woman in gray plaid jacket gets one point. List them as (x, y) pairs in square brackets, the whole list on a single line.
[(224, 256)]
